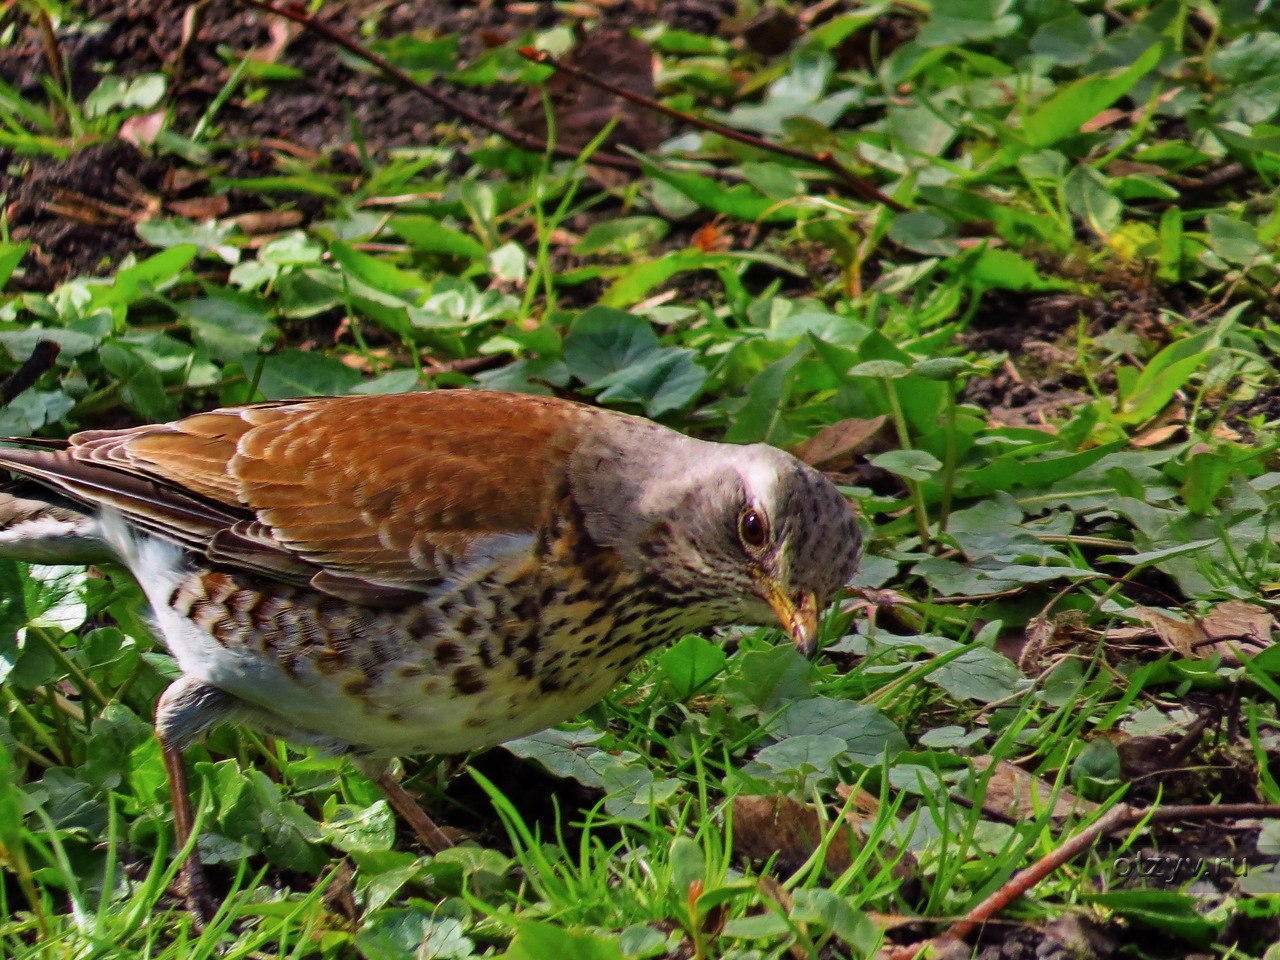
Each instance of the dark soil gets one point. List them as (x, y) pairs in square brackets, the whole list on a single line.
[(320, 115), (45, 205), (1041, 379)]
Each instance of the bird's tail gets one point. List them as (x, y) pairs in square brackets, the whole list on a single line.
[(37, 529)]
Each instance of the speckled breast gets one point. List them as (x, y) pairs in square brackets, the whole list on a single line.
[(506, 650)]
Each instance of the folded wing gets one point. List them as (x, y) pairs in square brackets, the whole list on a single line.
[(372, 498)]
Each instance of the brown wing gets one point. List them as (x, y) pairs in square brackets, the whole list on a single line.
[(370, 498)]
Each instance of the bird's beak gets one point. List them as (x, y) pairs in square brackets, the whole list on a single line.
[(799, 617)]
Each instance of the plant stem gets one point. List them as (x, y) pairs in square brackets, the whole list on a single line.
[(40, 732), (913, 486), (88, 688), (949, 458)]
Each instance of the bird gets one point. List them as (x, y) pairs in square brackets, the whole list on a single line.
[(432, 572)]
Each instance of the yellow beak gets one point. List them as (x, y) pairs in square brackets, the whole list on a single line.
[(798, 619)]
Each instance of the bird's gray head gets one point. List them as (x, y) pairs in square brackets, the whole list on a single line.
[(749, 533)]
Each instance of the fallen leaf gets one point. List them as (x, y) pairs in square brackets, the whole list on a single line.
[(765, 826), (268, 221), (1232, 622), (1158, 435), (1013, 792), (836, 440), (143, 128), (200, 208), (1104, 118), (709, 239)]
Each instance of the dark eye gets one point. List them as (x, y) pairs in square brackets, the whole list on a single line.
[(752, 530)]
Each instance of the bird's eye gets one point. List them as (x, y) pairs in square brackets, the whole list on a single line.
[(752, 530)]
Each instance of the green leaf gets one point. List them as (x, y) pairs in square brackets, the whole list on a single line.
[(690, 664), (356, 829), (296, 373), (635, 282), (759, 416), (665, 380), (910, 464), (994, 268), (1011, 471), (544, 941), (1234, 240), (1067, 110), (1090, 199), (1157, 384), (13, 615), (11, 255), (740, 201), (1207, 474), (228, 324), (760, 926), (1098, 761), (393, 381), (979, 674), (379, 274), (429, 235), (565, 753), (603, 341), (11, 803), (509, 263), (147, 276), (832, 910), (31, 410), (866, 731), (769, 678), (142, 386), (400, 932), (1165, 911), (968, 21), (802, 754), (621, 235), (688, 864)]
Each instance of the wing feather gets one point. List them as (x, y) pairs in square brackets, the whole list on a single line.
[(373, 498)]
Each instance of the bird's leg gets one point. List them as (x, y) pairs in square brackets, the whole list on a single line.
[(186, 709), (194, 888), (405, 805)]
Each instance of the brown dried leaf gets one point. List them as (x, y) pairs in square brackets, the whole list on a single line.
[(1233, 623), (181, 179), (1144, 756), (280, 32), (142, 128), (200, 208), (1104, 118), (1157, 436), (864, 803), (1012, 792), (709, 239), (765, 826), (838, 439), (268, 221)]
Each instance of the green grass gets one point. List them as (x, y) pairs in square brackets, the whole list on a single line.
[(1048, 384)]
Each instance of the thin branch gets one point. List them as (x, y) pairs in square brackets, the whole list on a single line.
[(860, 186), (1118, 817), (32, 369), (1020, 883), (525, 141)]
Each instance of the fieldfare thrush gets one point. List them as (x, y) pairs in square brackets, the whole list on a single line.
[(427, 572)]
